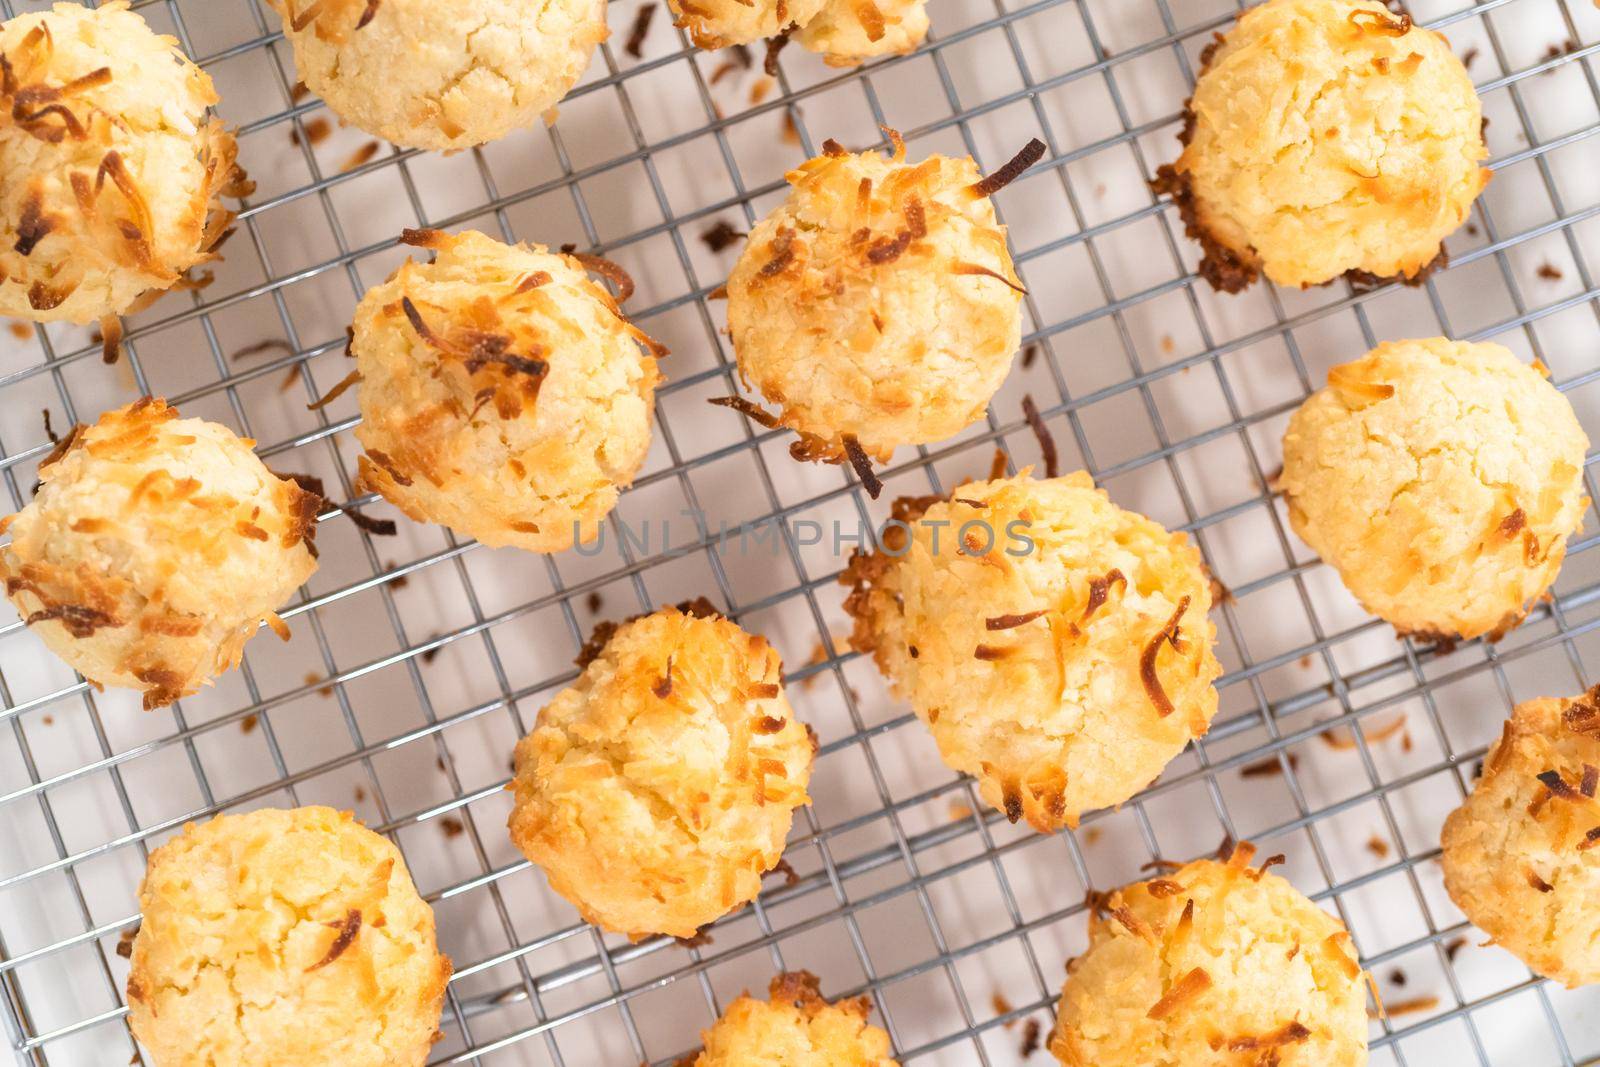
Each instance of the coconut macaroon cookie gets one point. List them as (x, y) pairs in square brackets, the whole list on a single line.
[(848, 32), (503, 393), (1056, 645), (723, 23), (1441, 479), (1522, 853), (659, 787), (878, 306), (1326, 137), (284, 937), (154, 549), (423, 74), (795, 1028), (1213, 965), (112, 166)]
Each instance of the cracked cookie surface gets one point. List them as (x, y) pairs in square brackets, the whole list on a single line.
[(878, 301), (795, 1027), (1325, 137), (284, 937), (1441, 479), (424, 74), (155, 548), (112, 165), (1522, 853), (1215, 964), (1063, 673), (659, 787), (503, 393)]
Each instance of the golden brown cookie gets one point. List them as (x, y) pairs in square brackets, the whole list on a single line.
[(1213, 965), (284, 937), (1327, 137), (795, 1028), (849, 32), (878, 303), (1441, 479), (723, 23), (1056, 645), (155, 548), (424, 74), (1522, 853), (503, 393), (113, 165), (659, 787)]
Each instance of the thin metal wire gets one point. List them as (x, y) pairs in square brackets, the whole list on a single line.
[(566, 977)]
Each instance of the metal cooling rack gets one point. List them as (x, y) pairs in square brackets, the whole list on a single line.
[(417, 661)]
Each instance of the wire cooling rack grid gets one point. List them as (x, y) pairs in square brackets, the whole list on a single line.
[(417, 661)]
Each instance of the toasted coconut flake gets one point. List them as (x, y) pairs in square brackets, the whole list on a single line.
[(348, 929), (76, 619), (985, 272), (991, 653), (1558, 786), (863, 466), (1333, 946), (1188, 987), (138, 229), (1047, 442), (749, 410), (896, 142), (1590, 780), (1289, 1033), (1011, 622), (641, 28), (782, 248), (531, 281), (1345, 742), (1539, 883), (336, 392), (1161, 888), (1355, 390), (663, 686), (721, 235), (1169, 634), (1031, 153), (376, 527), (1412, 1006), (774, 46), (1132, 923), (608, 270), (887, 249), (1268, 767), (382, 459), (1512, 523), (1381, 22), (1100, 591), (34, 225), (360, 157), (1582, 716), (42, 297), (1591, 838), (422, 238), (110, 339)]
